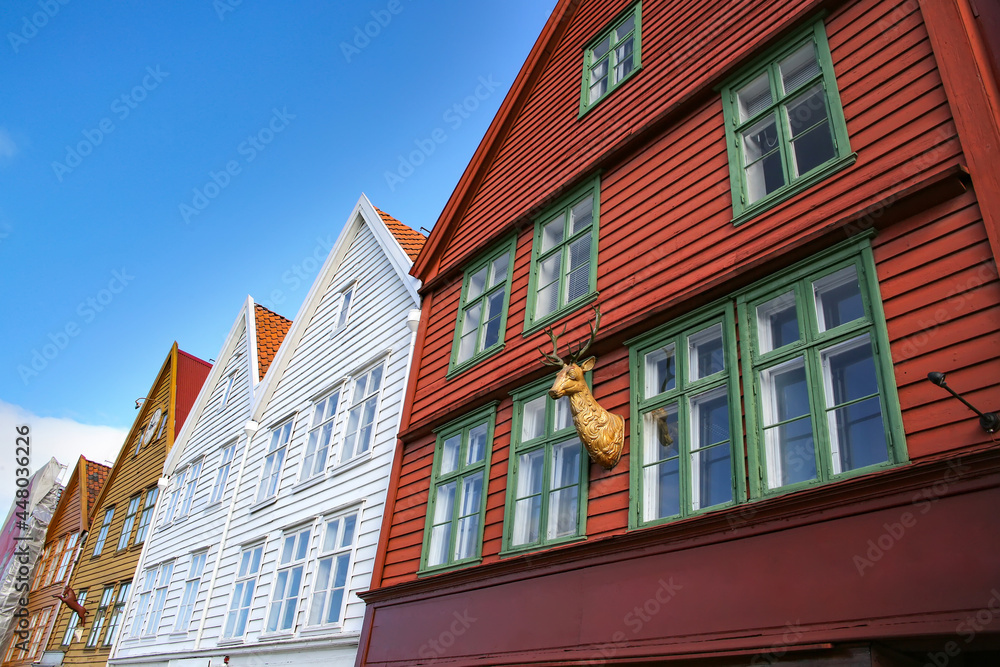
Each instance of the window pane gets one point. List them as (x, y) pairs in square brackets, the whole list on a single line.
[(472, 494), (529, 474), (477, 281), (710, 418), (602, 48), (799, 68), (791, 456), (808, 110), (857, 436), (468, 534), (786, 393), (533, 419), (444, 503), (498, 269), (494, 311), (661, 485), (582, 215), (754, 97), (565, 464), (705, 354), (661, 434), (548, 285), (849, 371), (661, 374), (476, 450), (527, 517), (711, 476), (578, 281), (626, 26), (564, 507), (838, 298), (552, 233), (813, 148), (762, 157), (777, 322), (564, 415), (350, 523), (598, 80), (449, 454), (440, 539)]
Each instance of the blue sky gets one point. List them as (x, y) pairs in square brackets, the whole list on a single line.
[(160, 161)]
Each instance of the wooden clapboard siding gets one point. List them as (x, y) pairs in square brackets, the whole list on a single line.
[(214, 427), (174, 390), (311, 364), (667, 243)]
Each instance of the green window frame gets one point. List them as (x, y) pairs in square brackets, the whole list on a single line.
[(563, 272), (686, 420), (612, 57), (816, 364), (785, 127), (547, 478), (482, 313), (456, 504)]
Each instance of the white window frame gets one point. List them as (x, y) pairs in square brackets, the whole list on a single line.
[(67, 556), (146, 515), (175, 494), (227, 391), (346, 296), (349, 449), (191, 487), (320, 601), (156, 583), (40, 621), (196, 568), (244, 587), (222, 473), (290, 570), (311, 465), (277, 450)]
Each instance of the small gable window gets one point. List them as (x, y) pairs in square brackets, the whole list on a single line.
[(611, 57)]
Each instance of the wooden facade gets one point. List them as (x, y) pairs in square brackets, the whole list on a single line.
[(68, 526), (121, 516), (268, 571), (193, 516), (770, 575)]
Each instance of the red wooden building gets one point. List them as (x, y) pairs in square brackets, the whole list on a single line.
[(788, 213)]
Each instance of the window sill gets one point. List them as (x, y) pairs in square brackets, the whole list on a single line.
[(308, 483), (211, 507), (267, 502), (440, 569), (458, 369), (532, 548), (793, 189), (232, 641), (813, 483), (352, 463), (319, 630), (566, 310)]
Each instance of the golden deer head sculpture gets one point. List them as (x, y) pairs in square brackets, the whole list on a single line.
[(602, 433)]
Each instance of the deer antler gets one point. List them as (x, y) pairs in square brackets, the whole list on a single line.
[(552, 359), (583, 346)]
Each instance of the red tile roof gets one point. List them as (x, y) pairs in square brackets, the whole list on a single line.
[(411, 240), (271, 330), (97, 474)]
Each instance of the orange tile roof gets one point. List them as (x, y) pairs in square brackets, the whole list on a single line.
[(411, 240), (271, 330), (97, 474)]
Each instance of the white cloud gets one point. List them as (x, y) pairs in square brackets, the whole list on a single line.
[(8, 148), (64, 439)]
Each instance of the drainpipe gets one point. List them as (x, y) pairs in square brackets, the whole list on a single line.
[(248, 429)]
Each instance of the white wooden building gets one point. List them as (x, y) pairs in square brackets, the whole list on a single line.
[(266, 569)]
